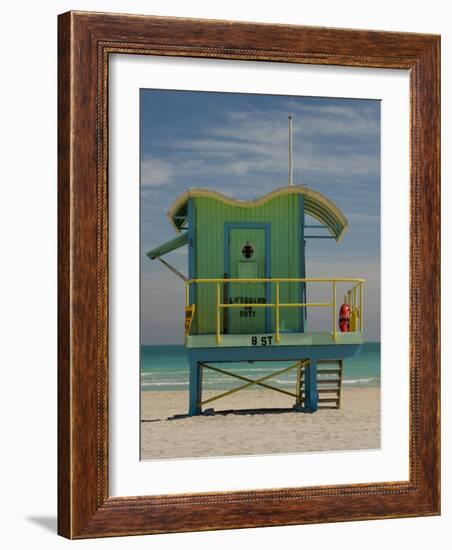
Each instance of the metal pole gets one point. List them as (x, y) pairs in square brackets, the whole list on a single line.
[(361, 320), (225, 310), (334, 310), (218, 314), (298, 388), (339, 398), (290, 153)]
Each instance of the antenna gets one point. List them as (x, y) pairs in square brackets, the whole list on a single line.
[(290, 153)]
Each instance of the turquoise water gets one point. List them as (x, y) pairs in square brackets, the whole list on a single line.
[(166, 368)]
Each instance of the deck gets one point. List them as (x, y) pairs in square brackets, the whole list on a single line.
[(269, 340)]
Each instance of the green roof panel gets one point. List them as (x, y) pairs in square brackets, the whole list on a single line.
[(316, 205), (169, 246)]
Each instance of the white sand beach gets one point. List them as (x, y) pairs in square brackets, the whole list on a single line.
[(166, 431)]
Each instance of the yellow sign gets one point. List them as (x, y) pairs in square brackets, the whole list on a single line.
[(189, 313)]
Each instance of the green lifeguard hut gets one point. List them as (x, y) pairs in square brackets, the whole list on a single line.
[(247, 291)]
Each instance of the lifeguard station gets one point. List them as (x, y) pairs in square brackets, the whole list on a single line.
[(247, 291)]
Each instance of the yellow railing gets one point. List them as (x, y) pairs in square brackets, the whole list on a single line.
[(353, 297)]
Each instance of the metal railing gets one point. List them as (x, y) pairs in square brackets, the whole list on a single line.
[(354, 297)]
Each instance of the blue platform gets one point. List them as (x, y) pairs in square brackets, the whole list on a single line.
[(220, 354)]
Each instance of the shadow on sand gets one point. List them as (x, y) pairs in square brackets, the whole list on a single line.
[(241, 412)]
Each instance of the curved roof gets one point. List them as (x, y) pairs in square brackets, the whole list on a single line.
[(316, 205)]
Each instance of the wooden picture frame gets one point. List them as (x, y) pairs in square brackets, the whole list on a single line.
[(86, 40)]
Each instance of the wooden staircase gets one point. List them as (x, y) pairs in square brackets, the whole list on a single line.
[(329, 384)]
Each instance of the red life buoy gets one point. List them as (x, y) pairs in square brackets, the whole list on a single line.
[(344, 318)]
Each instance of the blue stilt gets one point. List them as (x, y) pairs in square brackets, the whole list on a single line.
[(194, 407), (311, 395)]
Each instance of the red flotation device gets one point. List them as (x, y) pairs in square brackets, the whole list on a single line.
[(344, 318)]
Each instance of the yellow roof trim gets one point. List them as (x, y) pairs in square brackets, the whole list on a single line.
[(319, 205)]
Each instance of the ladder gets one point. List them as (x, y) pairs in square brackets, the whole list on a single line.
[(329, 384)]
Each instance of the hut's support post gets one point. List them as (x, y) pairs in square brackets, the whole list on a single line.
[(310, 378), (298, 399), (194, 407), (341, 374)]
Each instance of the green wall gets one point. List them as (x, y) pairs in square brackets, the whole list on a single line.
[(283, 213)]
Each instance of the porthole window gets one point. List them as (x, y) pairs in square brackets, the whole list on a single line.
[(247, 251)]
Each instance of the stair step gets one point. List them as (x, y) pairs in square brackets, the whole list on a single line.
[(320, 401), (330, 381), (323, 390), (328, 371), (323, 382)]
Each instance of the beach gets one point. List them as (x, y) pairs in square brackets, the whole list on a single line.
[(252, 428)]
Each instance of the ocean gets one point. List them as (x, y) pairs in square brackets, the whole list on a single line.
[(165, 368)]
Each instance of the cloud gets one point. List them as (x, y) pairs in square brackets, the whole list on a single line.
[(155, 172), (255, 142), (335, 120), (363, 219), (309, 120)]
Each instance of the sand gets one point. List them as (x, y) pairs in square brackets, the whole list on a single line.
[(167, 433)]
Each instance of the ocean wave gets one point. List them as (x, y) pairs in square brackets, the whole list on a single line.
[(153, 384), (360, 380), (184, 372), (224, 383), (162, 374)]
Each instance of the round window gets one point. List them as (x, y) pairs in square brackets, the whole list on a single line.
[(247, 250)]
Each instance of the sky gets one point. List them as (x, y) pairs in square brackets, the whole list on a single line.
[(237, 144)]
